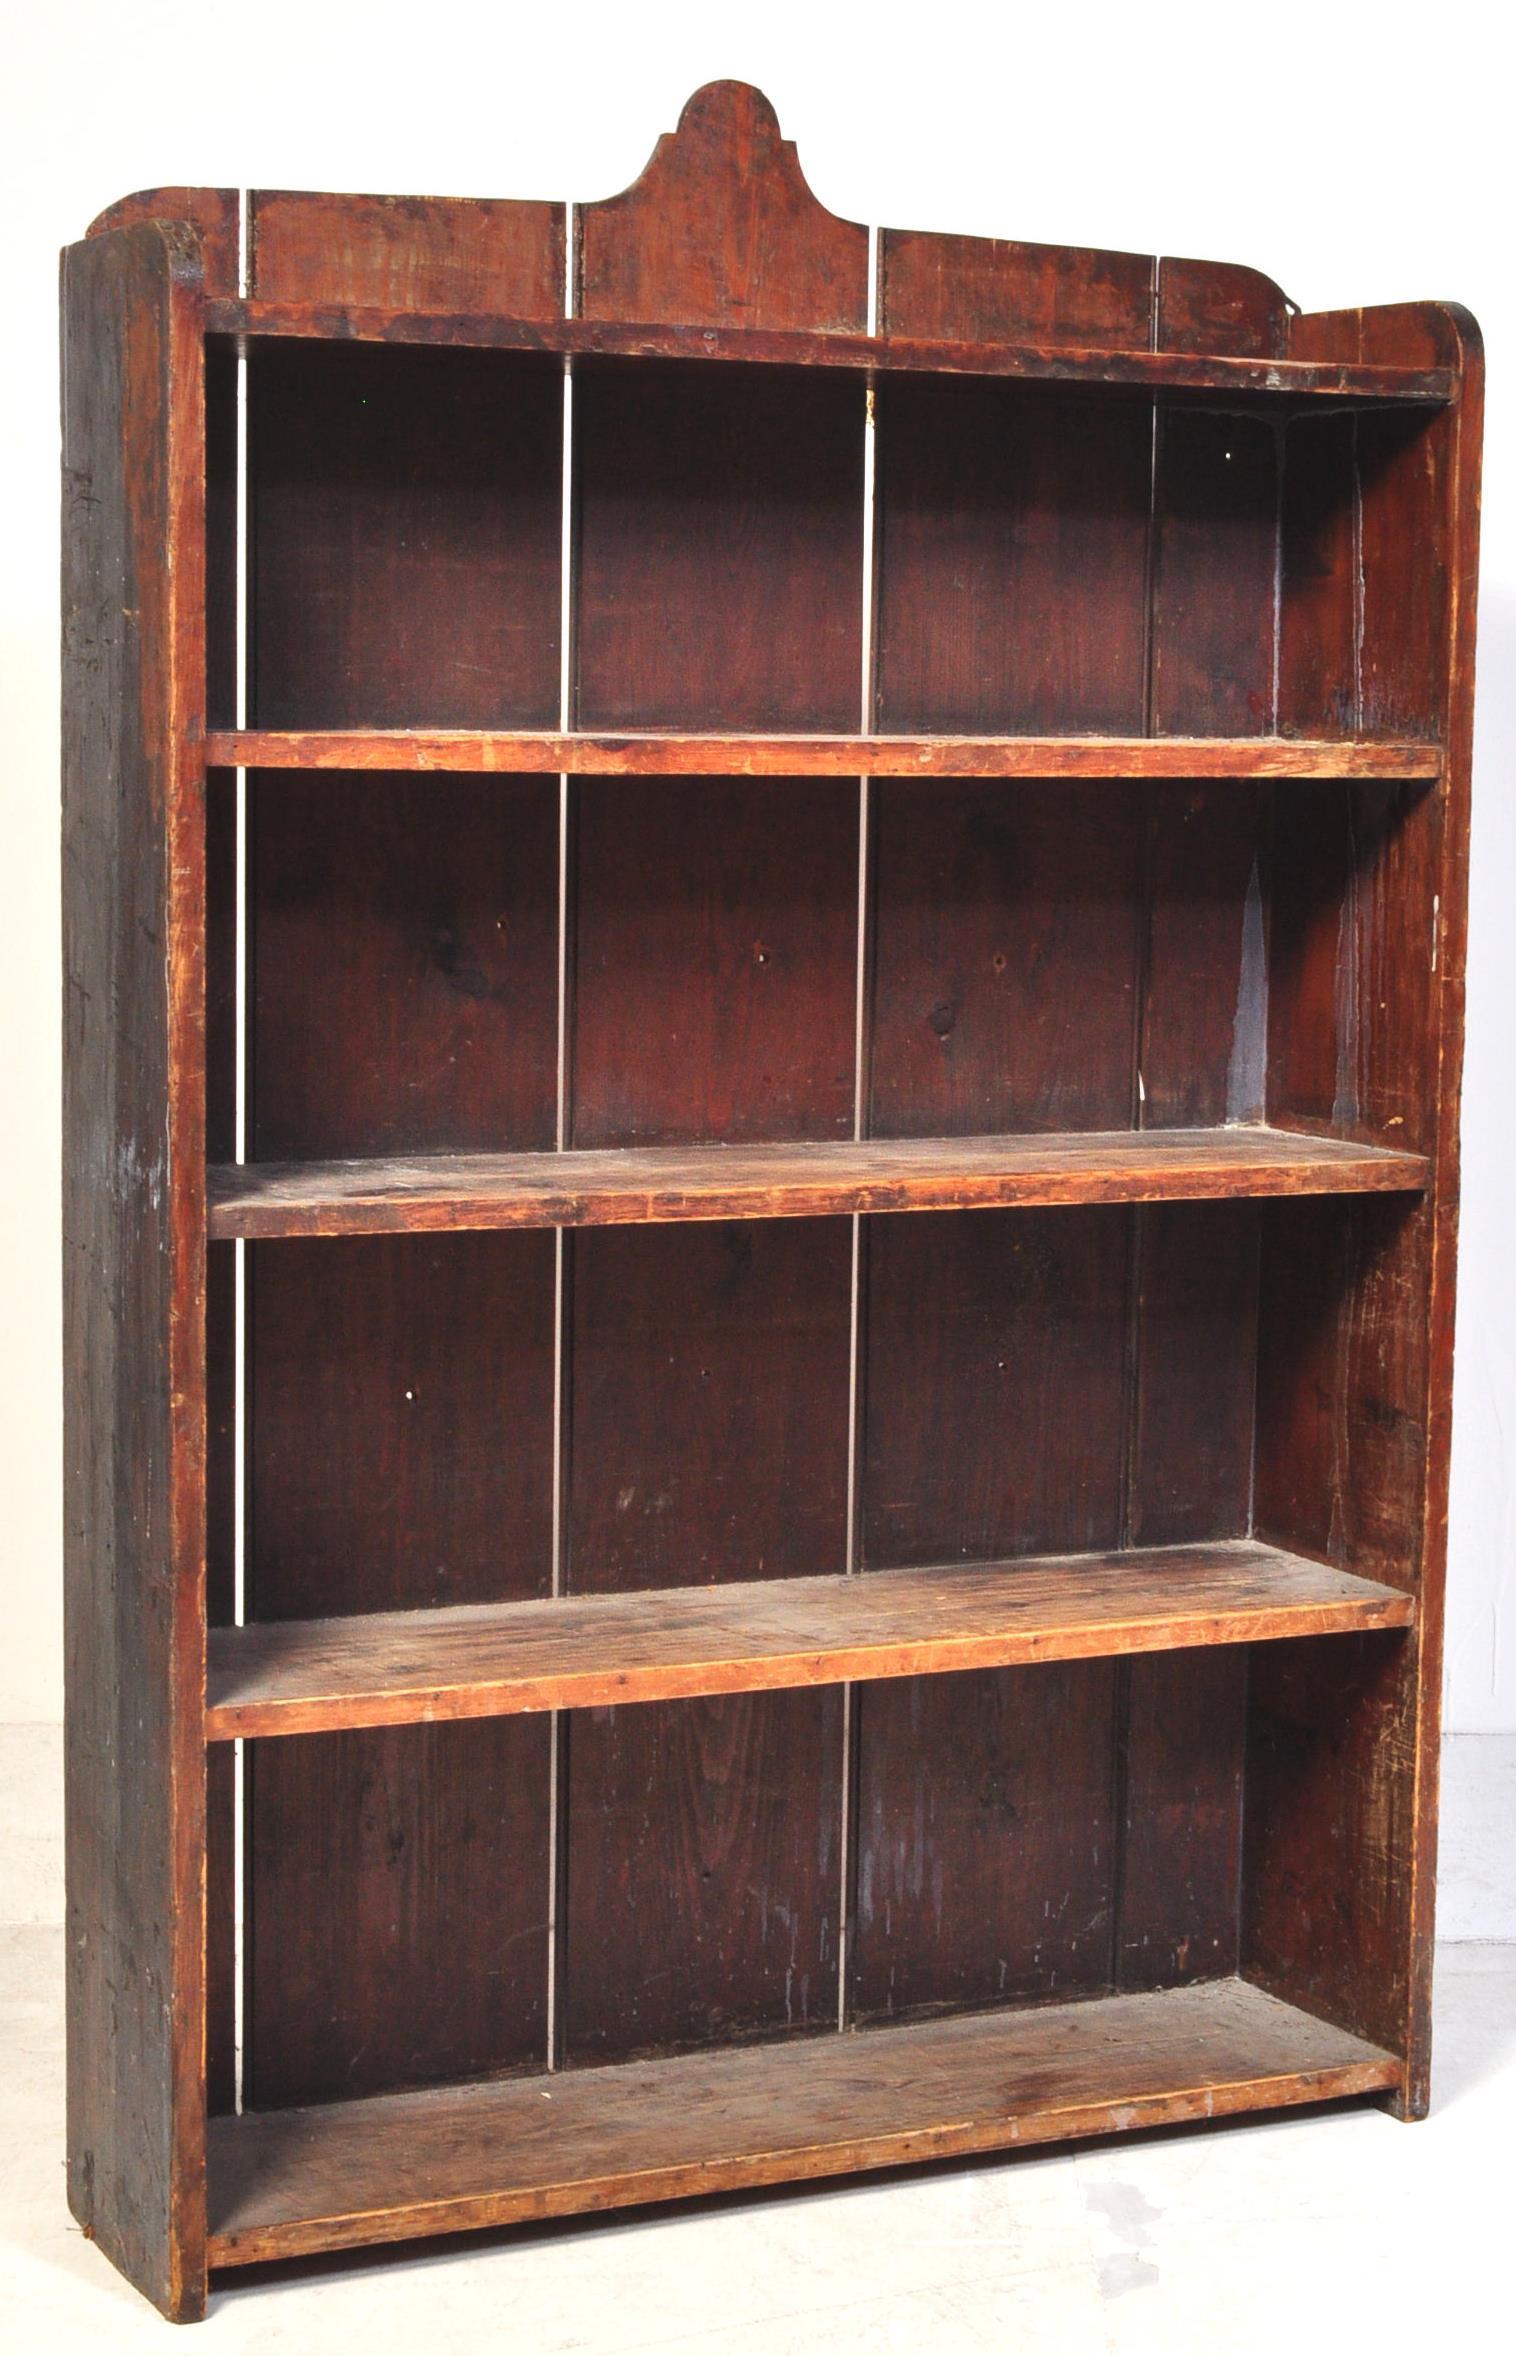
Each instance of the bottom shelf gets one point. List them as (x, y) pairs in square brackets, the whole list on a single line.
[(287, 2183)]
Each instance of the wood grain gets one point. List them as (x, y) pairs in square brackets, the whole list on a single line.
[(134, 1402), (213, 214), (403, 965), (985, 1841), (379, 1194), (295, 2182), (1006, 935), (996, 290), (720, 230), (587, 1652), (400, 1444), (993, 1385), (1011, 531), (407, 253), (1316, 382), (714, 987), (404, 509), (398, 1900), (719, 548), (658, 753), (700, 1876), (1182, 1780), (707, 1389)]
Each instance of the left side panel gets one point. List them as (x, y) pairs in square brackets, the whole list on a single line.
[(134, 1250)]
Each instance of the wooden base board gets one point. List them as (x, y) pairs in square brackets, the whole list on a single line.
[(288, 2183)]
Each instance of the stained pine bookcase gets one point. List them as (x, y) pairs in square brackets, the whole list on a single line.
[(764, 999)]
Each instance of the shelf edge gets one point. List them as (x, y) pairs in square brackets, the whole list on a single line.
[(416, 1698), (542, 753)]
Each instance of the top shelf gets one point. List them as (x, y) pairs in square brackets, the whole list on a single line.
[(1178, 372)]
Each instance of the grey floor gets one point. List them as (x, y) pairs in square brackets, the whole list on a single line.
[(1286, 2236)]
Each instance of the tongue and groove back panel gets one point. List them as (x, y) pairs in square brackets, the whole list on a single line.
[(1040, 957)]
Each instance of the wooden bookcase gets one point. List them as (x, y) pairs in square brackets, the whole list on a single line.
[(730, 731)]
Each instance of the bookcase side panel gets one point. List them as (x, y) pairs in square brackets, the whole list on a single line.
[(1356, 1375), (134, 1252)]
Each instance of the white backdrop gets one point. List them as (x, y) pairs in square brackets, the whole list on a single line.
[(1355, 155)]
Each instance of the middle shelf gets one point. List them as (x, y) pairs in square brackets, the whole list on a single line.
[(587, 1651), (627, 1186)]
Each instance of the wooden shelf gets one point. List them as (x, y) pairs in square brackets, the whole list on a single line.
[(586, 1651), (287, 2183), (542, 753), (658, 1184), (1177, 372)]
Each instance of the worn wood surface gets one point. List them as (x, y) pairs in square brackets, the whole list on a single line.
[(212, 215), (407, 551), (1247, 378), (985, 1839), (718, 549), (134, 1441), (1131, 501), (721, 231), (1011, 527), (401, 1406), (707, 1422), (659, 753), (403, 966), (380, 1194), (714, 986), (396, 1930), (407, 253), (494, 2154), (1005, 943), (1356, 1380), (700, 1874), (585, 1652)]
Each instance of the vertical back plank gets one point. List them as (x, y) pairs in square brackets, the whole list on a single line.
[(993, 1385), (403, 980), (134, 1252), (397, 1924), (1182, 1782), (718, 547), (993, 1407), (401, 1454), (986, 1838), (718, 583), (1197, 1323), (1011, 558), (701, 1880), (1006, 940), (404, 506), (708, 1403), (1205, 1004), (707, 1440), (714, 930), (1216, 526), (401, 1392)]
